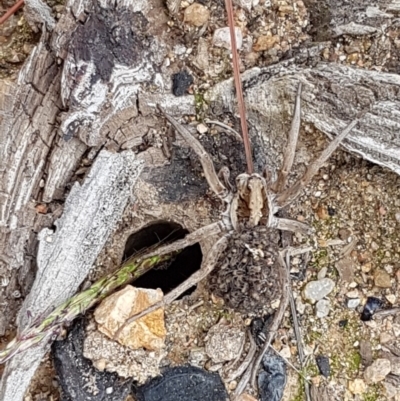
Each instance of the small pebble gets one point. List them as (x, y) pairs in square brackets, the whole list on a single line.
[(352, 294), (322, 273), (357, 386), (376, 372), (391, 298), (316, 290), (323, 307), (232, 385), (300, 307), (382, 279), (196, 15), (202, 129), (353, 303), (222, 38)]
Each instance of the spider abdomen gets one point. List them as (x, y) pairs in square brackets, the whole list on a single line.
[(247, 278)]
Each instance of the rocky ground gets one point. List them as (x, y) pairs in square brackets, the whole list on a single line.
[(353, 205)]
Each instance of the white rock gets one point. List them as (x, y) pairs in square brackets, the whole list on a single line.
[(202, 128), (222, 38), (316, 290), (300, 307), (352, 294), (285, 352), (353, 303), (323, 306), (377, 371), (391, 298), (247, 4)]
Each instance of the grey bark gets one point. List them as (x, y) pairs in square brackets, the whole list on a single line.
[(67, 254), (332, 97)]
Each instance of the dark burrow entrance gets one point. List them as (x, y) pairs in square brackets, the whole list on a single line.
[(183, 266)]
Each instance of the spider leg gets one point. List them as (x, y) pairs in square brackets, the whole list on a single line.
[(208, 167), (290, 194), (290, 149), (207, 267), (190, 239)]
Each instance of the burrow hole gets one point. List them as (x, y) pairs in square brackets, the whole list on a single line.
[(183, 266)]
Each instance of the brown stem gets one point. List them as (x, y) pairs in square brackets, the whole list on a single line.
[(11, 11), (238, 86)]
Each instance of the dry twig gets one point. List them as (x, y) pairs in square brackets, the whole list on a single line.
[(238, 86), (11, 11)]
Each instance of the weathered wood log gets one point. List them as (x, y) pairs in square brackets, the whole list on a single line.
[(67, 253), (332, 97)]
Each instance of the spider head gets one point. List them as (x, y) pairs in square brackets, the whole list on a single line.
[(252, 201)]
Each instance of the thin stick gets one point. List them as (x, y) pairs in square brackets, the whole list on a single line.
[(238, 86), (290, 364), (246, 362), (296, 325), (11, 11)]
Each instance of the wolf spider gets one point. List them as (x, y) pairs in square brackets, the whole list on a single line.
[(255, 201)]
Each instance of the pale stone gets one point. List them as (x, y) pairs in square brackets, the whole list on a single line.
[(222, 38), (322, 273), (353, 303), (147, 332), (285, 352), (202, 128), (377, 371), (264, 43), (357, 386), (382, 279), (316, 290), (385, 338), (275, 304), (391, 298), (224, 343), (300, 307), (395, 365), (352, 294), (390, 390), (323, 306), (196, 14)]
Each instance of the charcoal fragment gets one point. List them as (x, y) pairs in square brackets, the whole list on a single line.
[(372, 305), (181, 82), (183, 383), (323, 365), (272, 378)]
